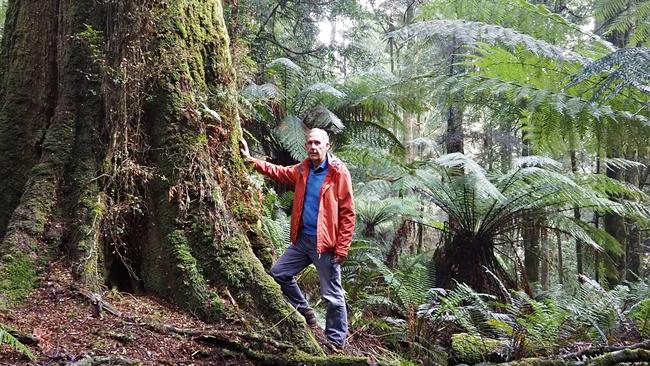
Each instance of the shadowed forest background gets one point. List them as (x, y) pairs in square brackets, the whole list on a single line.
[(499, 152)]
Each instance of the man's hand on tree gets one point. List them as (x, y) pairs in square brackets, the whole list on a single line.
[(244, 149), (339, 259)]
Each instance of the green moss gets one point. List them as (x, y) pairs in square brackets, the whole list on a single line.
[(192, 290), (473, 349), (17, 278)]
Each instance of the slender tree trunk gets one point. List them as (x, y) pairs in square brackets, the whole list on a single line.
[(543, 271), (576, 216), (530, 232), (122, 116), (560, 261), (615, 263), (633, 244), (454, 136)]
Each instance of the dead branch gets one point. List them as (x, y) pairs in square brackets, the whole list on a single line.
[(104, 360), (595, 351)]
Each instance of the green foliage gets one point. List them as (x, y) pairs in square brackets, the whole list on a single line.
[(641, 314), (624, 16), (409, 283), (468, 33), (11, 341), (287, 105), (624, 67)]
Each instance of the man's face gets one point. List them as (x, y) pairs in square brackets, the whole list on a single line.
[(317, 145)]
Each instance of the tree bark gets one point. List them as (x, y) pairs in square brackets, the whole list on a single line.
[(119, 133), (531, 231), (614, 263), (576, 215)]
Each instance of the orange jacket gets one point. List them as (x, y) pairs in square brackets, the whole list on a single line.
[(336, 209)]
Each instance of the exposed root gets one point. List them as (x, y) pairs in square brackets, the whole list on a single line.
[(255, 346), (596, 351), (605, 356), (104, 360)]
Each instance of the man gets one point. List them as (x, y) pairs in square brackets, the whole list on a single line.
[(322, 223)]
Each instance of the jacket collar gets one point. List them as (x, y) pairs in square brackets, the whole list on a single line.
[(332, 161)]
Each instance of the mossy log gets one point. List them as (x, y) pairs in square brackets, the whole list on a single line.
[(118, 147)]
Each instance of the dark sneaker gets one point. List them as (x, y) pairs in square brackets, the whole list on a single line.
[(309, 315)]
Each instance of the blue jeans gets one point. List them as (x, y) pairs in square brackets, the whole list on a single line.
[(296, 258)]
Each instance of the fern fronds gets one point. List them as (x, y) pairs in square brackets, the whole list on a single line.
[(11, 341), (291, 133), (321, 117), (469, 33), (624, 67)]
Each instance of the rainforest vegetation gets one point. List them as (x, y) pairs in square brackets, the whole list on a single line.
[(499, 152)]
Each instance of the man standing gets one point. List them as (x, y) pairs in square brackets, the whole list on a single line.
[(322, 224)]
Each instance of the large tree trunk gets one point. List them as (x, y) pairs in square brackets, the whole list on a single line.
[(118, 138)]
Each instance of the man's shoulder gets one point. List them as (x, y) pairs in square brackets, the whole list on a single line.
[(337, 164)]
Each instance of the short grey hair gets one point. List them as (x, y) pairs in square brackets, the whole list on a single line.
[(319, 131)]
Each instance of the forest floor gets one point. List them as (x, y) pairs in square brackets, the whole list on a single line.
[(63, 326)]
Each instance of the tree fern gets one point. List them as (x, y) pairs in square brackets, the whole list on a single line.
[(11, 341), (625, 16), (291, 132), (624, 67), (468, 32)]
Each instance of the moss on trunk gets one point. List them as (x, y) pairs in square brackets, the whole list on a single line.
[(140, 153)]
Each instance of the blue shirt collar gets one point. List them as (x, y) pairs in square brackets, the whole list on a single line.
[(321, 167)]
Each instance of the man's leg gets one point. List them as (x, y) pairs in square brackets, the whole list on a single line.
[(284, 271), (331, 290)]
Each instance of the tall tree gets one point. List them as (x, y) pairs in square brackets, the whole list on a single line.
[(118, 137)]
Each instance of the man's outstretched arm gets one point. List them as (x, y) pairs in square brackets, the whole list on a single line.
[(282, 174)]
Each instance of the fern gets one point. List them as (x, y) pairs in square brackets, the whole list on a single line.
[(321, 117), (624, 67), (408, 284), (291, 133), (469, 33), (625, 16), (11, 341), (261, 92), (464, 307)]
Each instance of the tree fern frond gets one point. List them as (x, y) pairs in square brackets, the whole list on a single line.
[(316, 94), (261, 92), (620, 163), (371, 135), (468, 32), (373, 163), (291, 133), (321, 117), (624, 67), (533, 160), (613, 187), (283, 64), (573, 228)]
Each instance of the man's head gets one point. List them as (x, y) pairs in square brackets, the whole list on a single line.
[(317, 143)]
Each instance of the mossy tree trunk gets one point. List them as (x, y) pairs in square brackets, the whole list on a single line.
[(118, 138)]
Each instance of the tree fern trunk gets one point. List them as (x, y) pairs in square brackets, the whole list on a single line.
[(122, 116)]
